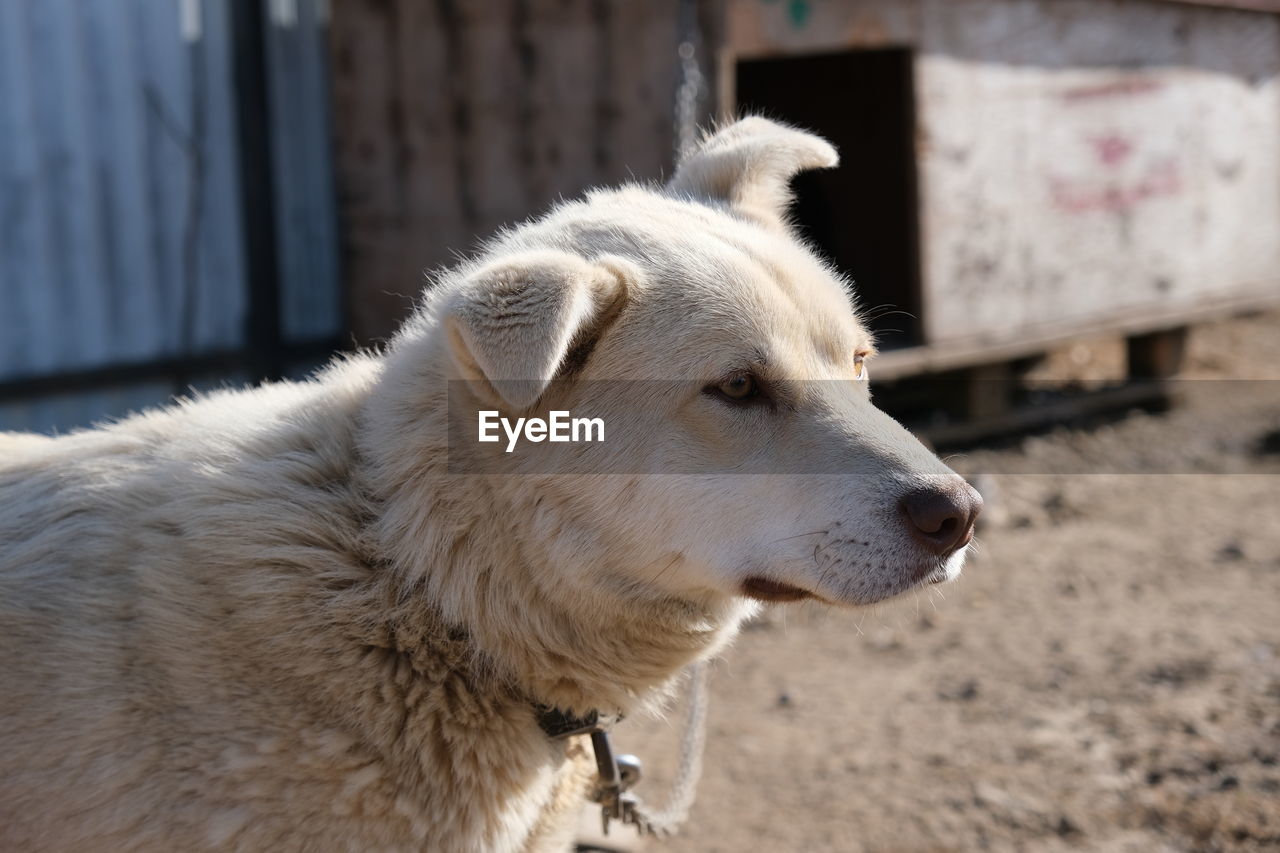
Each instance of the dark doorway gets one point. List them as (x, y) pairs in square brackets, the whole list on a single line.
[(862, 216)]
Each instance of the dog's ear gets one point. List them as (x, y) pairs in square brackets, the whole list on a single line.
[(749, 164), (512, 323)]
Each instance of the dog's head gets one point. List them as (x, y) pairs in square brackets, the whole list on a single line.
[(742, 455)]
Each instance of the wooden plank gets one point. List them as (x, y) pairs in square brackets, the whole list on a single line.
[(755, 30), (1272, 6), (1019, 343), (453, 119), (374, 144), (1025, 418), (1109, 158)]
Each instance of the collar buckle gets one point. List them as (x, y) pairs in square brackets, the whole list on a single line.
[(558, 724)]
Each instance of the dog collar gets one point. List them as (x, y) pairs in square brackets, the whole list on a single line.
[(559, 724), (615, 774)]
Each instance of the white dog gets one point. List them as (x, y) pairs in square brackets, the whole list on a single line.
[(321, 615)]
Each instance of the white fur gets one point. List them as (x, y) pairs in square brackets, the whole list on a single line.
[(281, 619)]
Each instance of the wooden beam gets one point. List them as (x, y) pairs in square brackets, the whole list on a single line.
[(1272, 6), (967, 352), (1026, 418)]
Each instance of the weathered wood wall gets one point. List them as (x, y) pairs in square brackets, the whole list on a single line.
[(1057, 195), (454, 118), (1079, 161), (1039, 207)]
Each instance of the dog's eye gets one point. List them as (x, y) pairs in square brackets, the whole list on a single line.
[(860, 367), (738, 388)]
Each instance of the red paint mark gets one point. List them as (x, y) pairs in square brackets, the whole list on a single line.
[(1112, 149), (1081, 196), (1114, 89)]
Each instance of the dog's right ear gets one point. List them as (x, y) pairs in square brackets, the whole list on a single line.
[(512, 323), (750, 164)]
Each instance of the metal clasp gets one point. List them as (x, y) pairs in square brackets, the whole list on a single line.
[(616, 775)]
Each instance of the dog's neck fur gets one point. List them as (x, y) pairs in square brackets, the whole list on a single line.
[(456, 540)]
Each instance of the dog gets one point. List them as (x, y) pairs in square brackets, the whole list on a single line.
[(324, 615)]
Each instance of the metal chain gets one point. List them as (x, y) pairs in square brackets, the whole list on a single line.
[(690, 91), (617, 802)]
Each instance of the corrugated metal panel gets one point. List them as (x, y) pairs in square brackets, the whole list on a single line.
[(121, 234), (310, 290)]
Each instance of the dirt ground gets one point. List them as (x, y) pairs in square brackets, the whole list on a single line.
[(1105, 675)]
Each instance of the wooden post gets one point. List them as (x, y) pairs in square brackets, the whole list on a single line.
[(988, 390), (1157, 355)]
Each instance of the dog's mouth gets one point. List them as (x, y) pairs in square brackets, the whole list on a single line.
[(763, 589), (930, 573)]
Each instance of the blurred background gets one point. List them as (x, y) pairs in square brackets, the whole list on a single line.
[(1063, 221)]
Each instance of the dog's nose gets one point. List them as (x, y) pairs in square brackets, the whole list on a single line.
[(941, 518)]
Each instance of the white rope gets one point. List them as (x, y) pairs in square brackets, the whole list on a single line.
[(666, 821)]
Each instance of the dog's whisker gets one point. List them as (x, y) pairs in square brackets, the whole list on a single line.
[(668, 567), (797, 536), (857, 626)]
